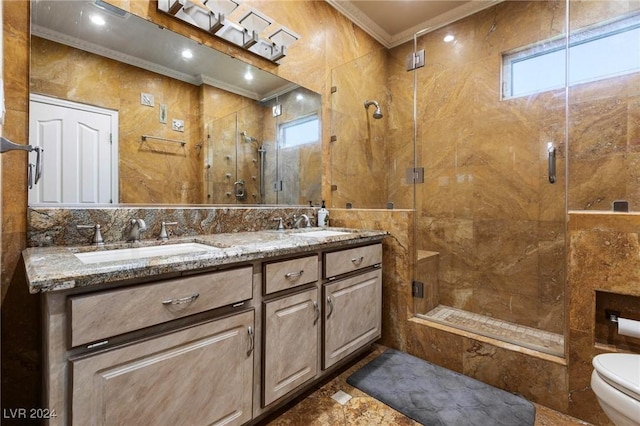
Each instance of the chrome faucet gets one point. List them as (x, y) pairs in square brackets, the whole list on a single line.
[(137, 226), (97, 236), (164, 235), (296, 221)]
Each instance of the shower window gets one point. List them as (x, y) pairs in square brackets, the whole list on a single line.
[(300, 132), (595, 53)]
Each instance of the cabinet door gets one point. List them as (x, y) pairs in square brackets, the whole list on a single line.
[(353, 315), (196, 376), (290, 343)]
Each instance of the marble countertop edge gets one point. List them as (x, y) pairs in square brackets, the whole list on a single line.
[(57, 268)]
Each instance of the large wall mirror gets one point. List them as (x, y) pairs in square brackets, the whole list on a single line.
[(129, 112)]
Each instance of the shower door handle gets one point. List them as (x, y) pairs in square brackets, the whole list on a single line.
[(551, 151)]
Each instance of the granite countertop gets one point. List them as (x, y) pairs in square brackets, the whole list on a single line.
[(57, 268)]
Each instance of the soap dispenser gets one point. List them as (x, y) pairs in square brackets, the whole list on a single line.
[(323, 216)]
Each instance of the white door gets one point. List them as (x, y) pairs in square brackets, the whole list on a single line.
[(80, 152)]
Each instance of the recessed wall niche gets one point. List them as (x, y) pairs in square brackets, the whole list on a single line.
[(606, 331)]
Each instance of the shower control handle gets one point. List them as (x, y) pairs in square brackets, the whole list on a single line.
[(238, 189), (551, 151)]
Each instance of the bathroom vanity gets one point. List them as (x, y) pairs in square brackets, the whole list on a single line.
[(221, 334)]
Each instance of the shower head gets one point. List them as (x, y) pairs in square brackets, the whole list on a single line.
[(247, 138), (377, 114)]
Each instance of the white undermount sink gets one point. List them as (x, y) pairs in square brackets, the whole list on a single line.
[(323, 234), (143, 252)]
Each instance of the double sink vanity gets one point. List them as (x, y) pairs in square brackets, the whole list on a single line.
[(211, 329)]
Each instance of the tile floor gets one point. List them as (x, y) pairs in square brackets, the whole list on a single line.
[(320, 409), (531, 338)]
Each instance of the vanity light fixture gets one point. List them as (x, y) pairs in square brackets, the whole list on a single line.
[(213, 16), (255, 21), (284, 37), (222, 7)]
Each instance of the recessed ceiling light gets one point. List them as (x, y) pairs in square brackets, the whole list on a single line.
[(448, 38), (187, 54), (98, 20)]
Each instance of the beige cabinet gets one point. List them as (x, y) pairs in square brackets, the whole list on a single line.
[(352, 315), (199, 375), (291, 326)]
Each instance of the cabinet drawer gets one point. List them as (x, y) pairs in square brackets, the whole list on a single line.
[(103, 315), (290, 273), (349, 260)]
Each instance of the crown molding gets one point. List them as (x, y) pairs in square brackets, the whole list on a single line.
[(111, 54), (196, 80), (354, 14)]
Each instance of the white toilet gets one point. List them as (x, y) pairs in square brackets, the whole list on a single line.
[(616, 383)]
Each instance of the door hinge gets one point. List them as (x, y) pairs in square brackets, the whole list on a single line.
[(417, 289), (415, 175), (415, 60)]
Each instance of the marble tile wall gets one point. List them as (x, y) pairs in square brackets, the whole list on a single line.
[(602, 257), (604, 126), (486, 206), (21, 337), (359, 155)]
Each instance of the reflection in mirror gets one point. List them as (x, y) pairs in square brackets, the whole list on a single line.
[(155, 91), (267, 152)]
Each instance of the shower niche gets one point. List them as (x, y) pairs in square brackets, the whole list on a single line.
[(266, 152)]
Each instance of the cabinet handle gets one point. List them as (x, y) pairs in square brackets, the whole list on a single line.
[(294, 274), (317, 309), (182, 301), (330, 307), (251, 340), (357, 260)]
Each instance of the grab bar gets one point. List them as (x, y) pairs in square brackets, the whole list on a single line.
[(145, 137), (551, 151)]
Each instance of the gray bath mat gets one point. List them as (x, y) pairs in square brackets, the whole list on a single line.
[(435, 396)]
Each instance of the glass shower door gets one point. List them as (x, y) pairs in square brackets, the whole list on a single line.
[(491, 213)]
